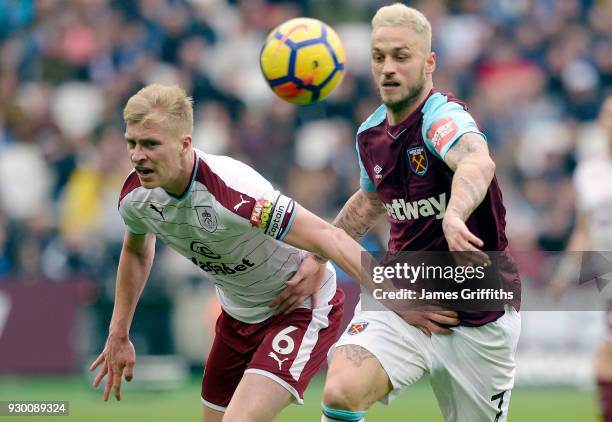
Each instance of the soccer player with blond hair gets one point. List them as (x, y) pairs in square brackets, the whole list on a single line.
[(426, 165), (248, 239)]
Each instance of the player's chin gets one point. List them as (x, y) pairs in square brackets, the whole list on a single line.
[(392, 102), (148, 181), (390, 96)]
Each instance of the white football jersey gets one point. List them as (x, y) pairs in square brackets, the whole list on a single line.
[(230, 222), (594, 197)]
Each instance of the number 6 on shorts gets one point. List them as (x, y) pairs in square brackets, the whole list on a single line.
[(283, 335)]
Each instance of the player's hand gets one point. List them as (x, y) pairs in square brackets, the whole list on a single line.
[(304, 283), (117, 359), (431, 322), (461, 239)]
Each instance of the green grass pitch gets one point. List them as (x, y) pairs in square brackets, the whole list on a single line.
[(415, 404)]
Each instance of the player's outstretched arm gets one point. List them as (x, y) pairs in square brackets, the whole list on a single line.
[(474, 169), (311, 233), (361, 212), (119, 355)]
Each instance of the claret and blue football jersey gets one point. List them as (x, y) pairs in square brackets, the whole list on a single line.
[(404, 165)]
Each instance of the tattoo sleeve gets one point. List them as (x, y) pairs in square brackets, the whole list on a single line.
[(469, 159), (360, 213)]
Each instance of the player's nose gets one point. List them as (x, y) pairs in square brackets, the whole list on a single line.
[(138, 154), (388, 67)]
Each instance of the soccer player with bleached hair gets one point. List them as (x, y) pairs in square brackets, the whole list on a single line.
[(426, 165), (248, 239)]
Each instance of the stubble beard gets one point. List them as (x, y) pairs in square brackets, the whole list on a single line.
[(414, 92)]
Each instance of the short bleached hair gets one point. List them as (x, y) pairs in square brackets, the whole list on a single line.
[(399, 14), (166, 106)]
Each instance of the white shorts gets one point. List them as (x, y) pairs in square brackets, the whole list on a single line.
[(471, 371)]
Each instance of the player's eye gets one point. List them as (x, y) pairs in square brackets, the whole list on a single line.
[(150, 144)]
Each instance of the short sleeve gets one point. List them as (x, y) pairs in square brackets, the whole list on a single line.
[(444, 123), (248, 197), (364, 180), (134, 225), (375, 119)]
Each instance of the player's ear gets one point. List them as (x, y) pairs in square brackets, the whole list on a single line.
[(186, 143), (430, 63)]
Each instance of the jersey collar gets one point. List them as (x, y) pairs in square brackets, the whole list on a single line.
[(396, 131)]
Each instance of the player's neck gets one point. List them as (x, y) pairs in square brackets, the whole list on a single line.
[(183, 180), (394, 118)]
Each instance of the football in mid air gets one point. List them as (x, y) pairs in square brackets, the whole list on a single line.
[(302, 60)]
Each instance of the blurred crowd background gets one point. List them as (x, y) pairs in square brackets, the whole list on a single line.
[(533, 72)]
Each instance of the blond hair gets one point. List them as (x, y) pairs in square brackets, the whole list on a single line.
[(167, 106), (399, 14)]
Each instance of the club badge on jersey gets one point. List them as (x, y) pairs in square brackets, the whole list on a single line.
[(207, 219), (417, 160), (357, 327)]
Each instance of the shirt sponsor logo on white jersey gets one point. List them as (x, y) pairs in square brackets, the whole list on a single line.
[(401, 210), (200, 248), (216, 268)]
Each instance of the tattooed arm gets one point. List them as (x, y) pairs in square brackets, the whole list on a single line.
[(469, 159), (361, 212)]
